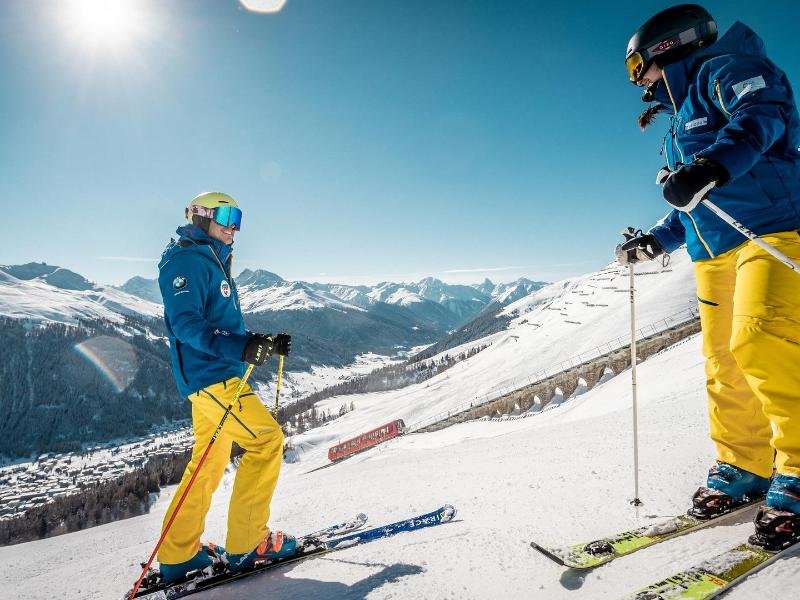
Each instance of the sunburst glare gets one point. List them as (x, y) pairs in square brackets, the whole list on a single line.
[(105, 24)]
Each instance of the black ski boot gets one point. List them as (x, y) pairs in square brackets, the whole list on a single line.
[(708, 503), (775, 529)]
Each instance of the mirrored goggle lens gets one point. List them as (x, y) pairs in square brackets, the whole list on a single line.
[(634, 64), (228, 216)]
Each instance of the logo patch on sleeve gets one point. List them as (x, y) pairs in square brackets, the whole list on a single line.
[(696, 123), (749, 85), (225, 289), (179, 282)]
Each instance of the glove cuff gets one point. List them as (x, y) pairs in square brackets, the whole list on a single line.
[(717, 171)]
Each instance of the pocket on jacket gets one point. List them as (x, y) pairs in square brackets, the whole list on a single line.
[(767, 176)]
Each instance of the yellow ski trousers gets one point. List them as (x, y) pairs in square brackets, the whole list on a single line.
[(750, 317), (251, 426)]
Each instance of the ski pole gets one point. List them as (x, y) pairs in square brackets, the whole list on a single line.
[(665, 174), (191, 480), (630, 233), (278, 383), (751, 236), (636, 501)]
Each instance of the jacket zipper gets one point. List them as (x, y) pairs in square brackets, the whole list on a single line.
[(227, 278), (718, 94), (691, 218), (700, 237), (675, 110)]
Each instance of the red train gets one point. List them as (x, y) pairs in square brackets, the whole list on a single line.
[(366, 440)]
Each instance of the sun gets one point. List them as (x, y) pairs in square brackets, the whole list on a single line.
[(104, 23)]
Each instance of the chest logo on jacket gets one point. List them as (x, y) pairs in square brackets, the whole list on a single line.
[(696, 123), (225, 289)]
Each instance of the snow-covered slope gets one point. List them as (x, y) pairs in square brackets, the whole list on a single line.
[(584, 316), (59, 295), (562, 476), (289, 296)]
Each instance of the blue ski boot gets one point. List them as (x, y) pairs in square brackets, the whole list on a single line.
[(277, 545), (784, 494), (778, 523), (727, 487), (206, 556)]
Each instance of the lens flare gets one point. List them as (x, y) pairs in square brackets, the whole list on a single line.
[(263, 6), (114, 358)]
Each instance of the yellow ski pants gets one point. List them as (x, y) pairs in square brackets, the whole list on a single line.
[(251, 426), (750, 316)]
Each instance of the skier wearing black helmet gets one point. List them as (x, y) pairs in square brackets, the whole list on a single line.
[(734, 140)]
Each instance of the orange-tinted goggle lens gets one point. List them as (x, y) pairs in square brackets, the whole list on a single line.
[(634, 64)]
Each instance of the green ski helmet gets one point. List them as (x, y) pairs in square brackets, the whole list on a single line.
[(215, 206)]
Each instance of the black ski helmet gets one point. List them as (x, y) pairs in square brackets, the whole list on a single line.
[(668, 37)]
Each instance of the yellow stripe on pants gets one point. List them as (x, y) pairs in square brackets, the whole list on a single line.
[(750, 316), (256, 431)]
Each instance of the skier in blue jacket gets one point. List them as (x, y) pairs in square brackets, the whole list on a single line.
[(734, 139), (209, 347)]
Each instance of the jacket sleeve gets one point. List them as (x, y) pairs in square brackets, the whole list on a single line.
[(184, 283), (669, 231), (753, 96)]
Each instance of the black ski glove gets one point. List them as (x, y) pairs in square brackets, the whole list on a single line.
[(257, 349), (282, 344), (685, 188), (639, 247)]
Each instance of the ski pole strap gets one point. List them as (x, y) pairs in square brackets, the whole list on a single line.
[(751, 236)]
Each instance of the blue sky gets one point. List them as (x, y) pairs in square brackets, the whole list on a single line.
[(365, 140)]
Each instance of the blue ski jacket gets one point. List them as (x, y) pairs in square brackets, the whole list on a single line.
[(201, 311), (732, 105)]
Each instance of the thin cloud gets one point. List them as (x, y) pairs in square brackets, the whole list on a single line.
[(485, 270), (127, 258)]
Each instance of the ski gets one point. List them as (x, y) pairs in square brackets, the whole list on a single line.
[(308, 547), (588, 555), (151, 584), (777, 533), (712, 577), (353, 524)]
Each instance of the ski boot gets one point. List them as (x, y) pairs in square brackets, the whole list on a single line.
[(726, 488), (275, 546), (775, 529), (784, 493), (208, 559)]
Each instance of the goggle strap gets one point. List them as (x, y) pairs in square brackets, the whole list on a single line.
[(200, 211)]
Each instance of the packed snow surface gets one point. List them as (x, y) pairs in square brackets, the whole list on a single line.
[(562, 476)]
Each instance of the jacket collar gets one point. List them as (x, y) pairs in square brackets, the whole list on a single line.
[(192, 233)]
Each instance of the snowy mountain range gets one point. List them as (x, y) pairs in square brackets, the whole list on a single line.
[(333, 326), (44, 293), (429, 299)]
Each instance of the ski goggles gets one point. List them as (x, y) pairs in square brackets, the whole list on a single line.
[(226, 216), (635, 67)]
